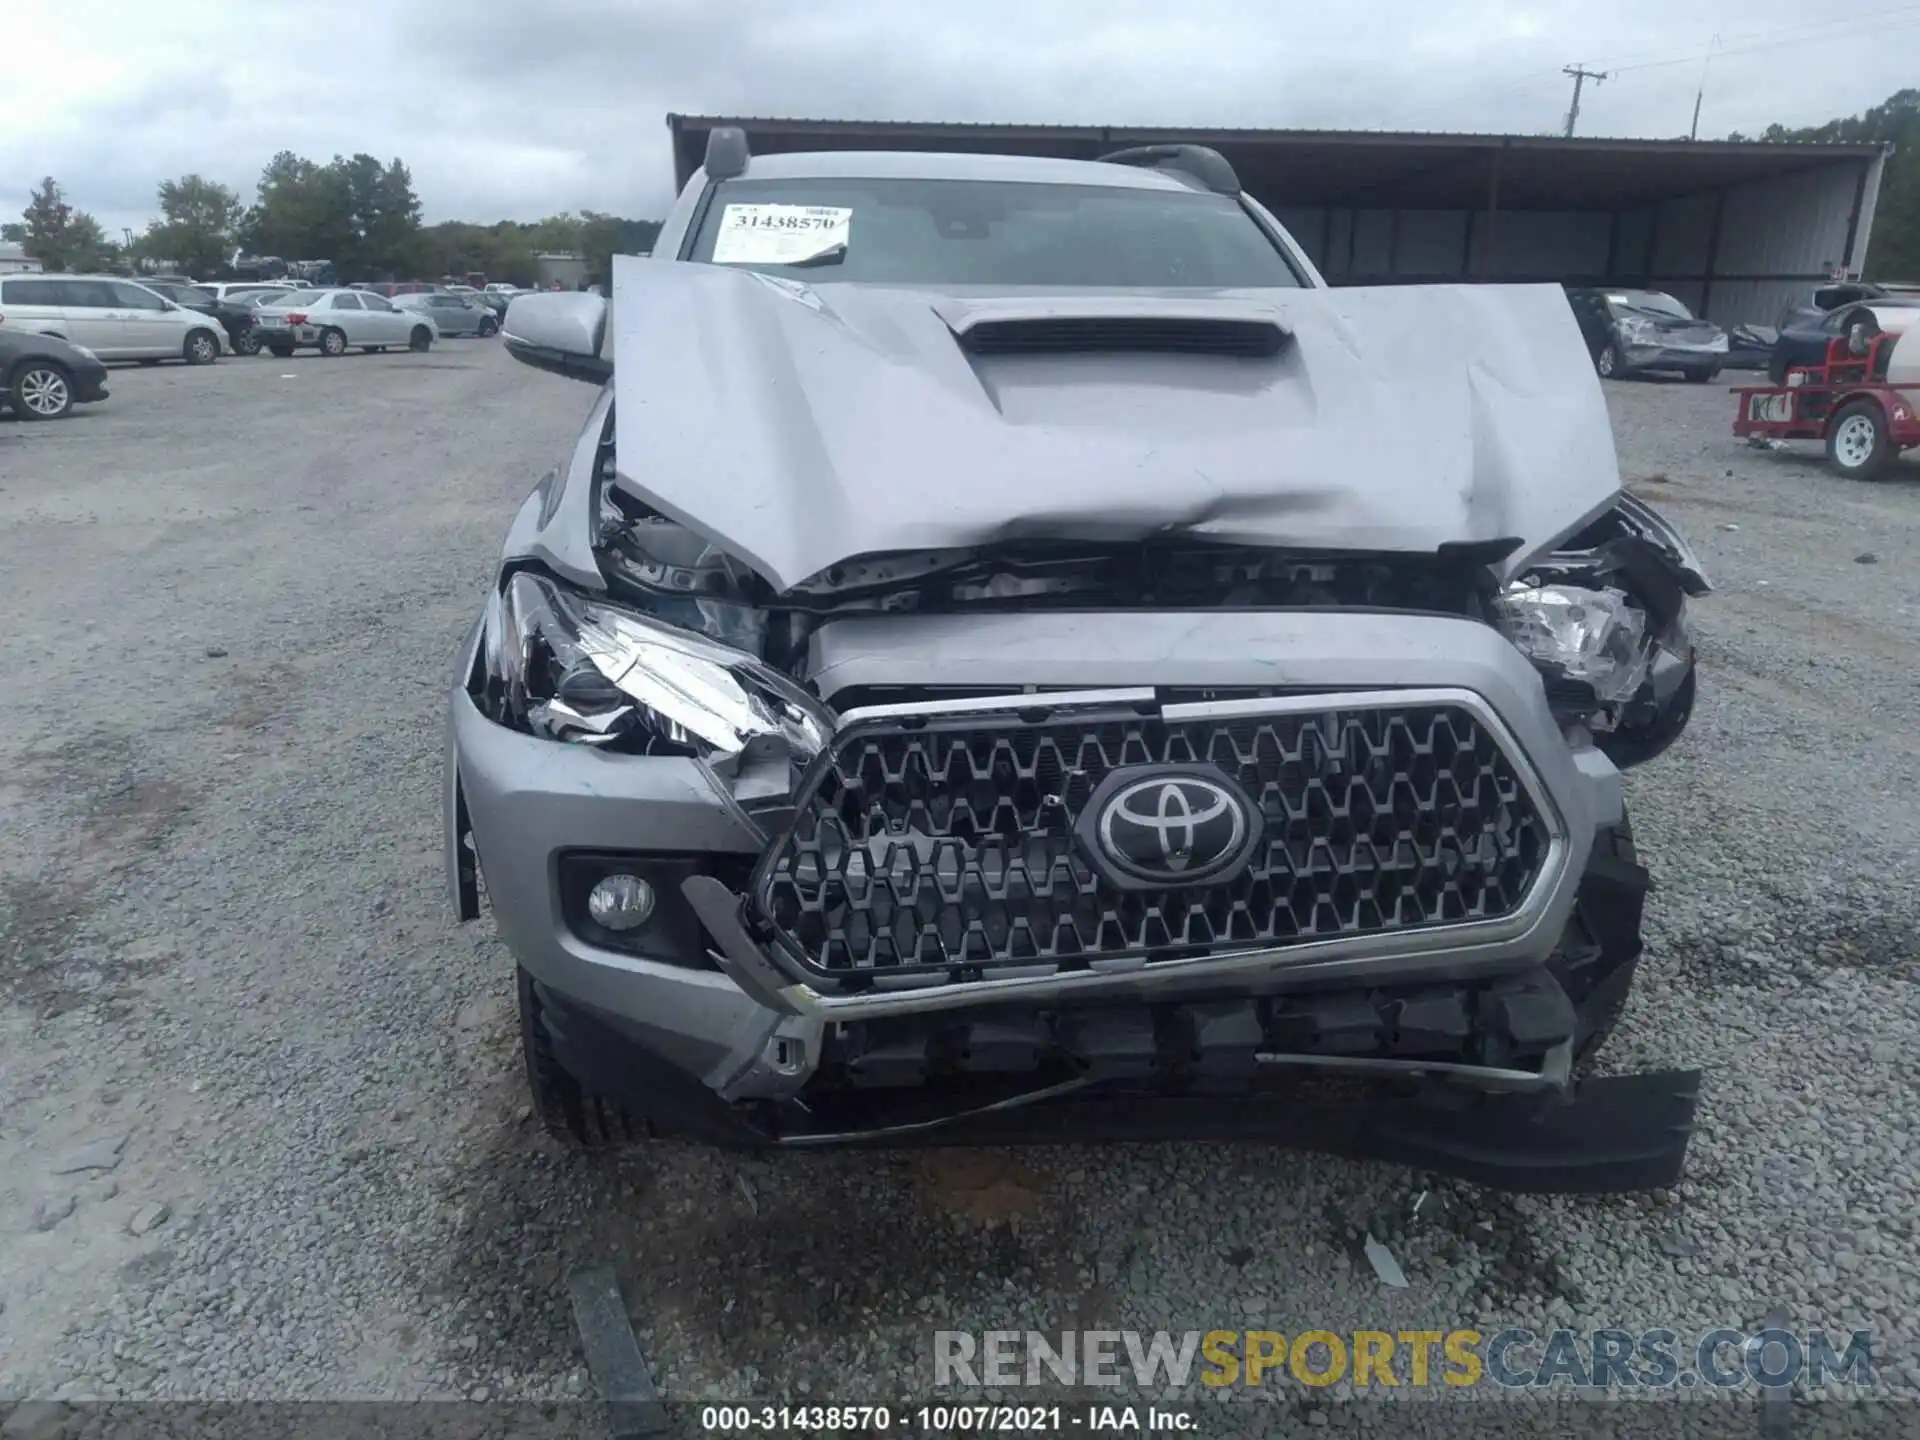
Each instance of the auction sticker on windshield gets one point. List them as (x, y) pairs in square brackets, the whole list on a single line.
[(780, 234)]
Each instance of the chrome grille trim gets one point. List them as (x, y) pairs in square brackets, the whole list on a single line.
[(1490, 939)]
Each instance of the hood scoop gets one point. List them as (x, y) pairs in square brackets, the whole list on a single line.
[(1110, 325), (1246, 338)]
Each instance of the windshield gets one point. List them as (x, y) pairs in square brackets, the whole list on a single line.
[(1656, 301), (988, 232), (299, 298)]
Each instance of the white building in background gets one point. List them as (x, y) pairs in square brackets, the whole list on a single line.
[(566, 266), (14, 259)]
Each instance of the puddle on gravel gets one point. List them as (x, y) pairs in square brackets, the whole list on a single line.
[(107, 817)]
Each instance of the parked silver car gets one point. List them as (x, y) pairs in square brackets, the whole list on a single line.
[(335, 321), (454, 314), (1012, 655)]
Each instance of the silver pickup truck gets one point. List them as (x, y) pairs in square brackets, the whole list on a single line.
[(1013, 655)]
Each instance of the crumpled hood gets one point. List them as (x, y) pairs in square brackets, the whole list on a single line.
[(799, 426)]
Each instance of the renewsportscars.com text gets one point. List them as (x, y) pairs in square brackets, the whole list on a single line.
[(1414, 1359)]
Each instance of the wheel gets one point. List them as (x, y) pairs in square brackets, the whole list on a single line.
[(246, 343), (202, 348), (421, 340), (281, 352), (1702, 377), (568, 1112), (1599, 951), (1857, 443), (487, 326), (41, 390), (1607, 362), (332, 342)]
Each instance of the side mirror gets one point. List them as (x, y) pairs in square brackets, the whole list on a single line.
[(563, 332)]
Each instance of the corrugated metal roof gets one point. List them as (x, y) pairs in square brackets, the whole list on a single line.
[(1468, 137), (1355, 169)]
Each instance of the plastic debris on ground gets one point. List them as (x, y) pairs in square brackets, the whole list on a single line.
[(1384, 1265), (614, 1361)]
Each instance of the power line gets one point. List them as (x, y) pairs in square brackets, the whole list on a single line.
[(1841, 29), (1751, 41), (1638, 59)]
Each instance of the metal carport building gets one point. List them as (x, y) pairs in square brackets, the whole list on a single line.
[(1732, 228)]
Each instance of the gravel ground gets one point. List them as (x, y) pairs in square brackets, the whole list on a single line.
[(233, 991)]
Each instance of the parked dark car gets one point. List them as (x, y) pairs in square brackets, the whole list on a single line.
[(43, 378), (1750, 347), (1638, 332), (1804, 340), (1807, 312), (235, 315)]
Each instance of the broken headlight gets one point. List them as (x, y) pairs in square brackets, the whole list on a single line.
[(565, 665), (1597, 637), (1637, 330)]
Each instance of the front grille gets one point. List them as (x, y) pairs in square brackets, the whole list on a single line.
[(945, 845)]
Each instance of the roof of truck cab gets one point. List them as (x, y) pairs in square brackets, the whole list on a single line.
[(954, 165)]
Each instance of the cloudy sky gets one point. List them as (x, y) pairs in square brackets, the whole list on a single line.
[(522, 108)]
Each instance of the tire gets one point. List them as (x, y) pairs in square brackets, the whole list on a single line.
[(1607, 363), (41, 390), (488, 325), (333, 342), (1857, 442), (202, 347), (1703, 377), (281, 352), (246, 343), (567, 1112), (421, 340)]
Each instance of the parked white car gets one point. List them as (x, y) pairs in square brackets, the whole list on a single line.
[(335, 321), (116, 319)]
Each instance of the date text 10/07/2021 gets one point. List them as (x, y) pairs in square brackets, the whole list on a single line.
[(946, 1419)]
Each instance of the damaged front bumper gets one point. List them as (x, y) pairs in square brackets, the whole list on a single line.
[(1602, 1135), (1670, 356), (1452, 1046)]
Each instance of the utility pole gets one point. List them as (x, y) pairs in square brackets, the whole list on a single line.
[(1701, 93), (1580, 76)]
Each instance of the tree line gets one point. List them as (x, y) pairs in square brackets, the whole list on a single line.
[(355, 211), (1893, 248)]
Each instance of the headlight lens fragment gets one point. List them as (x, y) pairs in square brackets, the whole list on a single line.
[(570, 666), (1596, 636)]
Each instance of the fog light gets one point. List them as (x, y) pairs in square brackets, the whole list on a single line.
[(621, 902)]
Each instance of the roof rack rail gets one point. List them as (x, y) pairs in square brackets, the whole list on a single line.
[(727, 153), (1198, 162)]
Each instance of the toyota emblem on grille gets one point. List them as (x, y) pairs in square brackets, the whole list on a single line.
[(1162, 825)]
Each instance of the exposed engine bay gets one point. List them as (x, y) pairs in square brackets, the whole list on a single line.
[(1602, 615)]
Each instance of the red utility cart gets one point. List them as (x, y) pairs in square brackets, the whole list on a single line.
[(1847, 401)]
